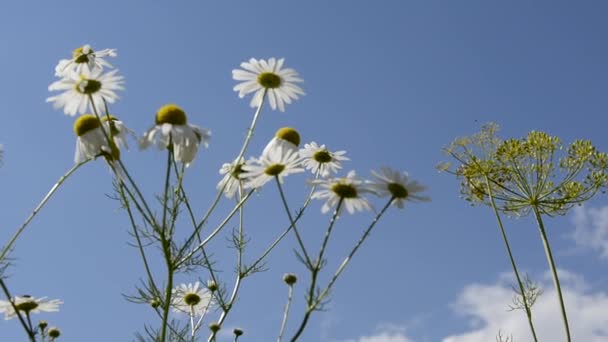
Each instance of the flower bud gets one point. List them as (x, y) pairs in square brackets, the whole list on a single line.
[(290, 279)]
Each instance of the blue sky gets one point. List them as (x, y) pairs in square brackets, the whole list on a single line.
[(391, 82)]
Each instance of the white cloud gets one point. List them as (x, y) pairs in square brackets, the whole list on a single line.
[(386, 333), (591, 229), (487, 308)]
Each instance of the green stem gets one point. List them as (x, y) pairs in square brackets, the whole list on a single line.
[(352, 253), (286, 313), (62, 179), (140, 246), (512, 259), (314, 274), (29, 332), (553, 268), (293, 223)]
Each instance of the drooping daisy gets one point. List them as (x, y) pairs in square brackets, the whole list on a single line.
[(262, 76), (91, 141), (29, 305), (287, 138), (389, 182), (232, 177), (349, 190), (77, 87), (319, 159), (84, 57), (278, 162), (172, 130), (118, 130), (192, 299)]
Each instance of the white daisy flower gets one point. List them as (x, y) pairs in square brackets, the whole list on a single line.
[(91, 141), (118, 130), (28, 305), (192, 299), (287, 138), (392, 183), (348, 190), (84, 57), (231, 180), (172, 129), (262, 76), (78, 86), (278, 162), (319, 159)]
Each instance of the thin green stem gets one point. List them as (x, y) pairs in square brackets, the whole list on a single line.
[(350, 256), (45, 199), (512, 259), (29, 332), (166, 191), (216, 231), (286, 313), (553, 268), (293, 224), (284, 233), (140, 246), (239, 276), (314, 274)]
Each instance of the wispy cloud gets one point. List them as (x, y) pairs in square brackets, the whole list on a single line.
[(486, 306), (386, 333), (591, 229)]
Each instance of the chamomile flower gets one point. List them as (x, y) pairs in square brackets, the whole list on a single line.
[(348, 189), (91, 141), (84, 58), (389, 182), (28, 304), (261, 76), (278, 162), (319, 159), (232, 177), (288, 138), (77, 87), (118, 130), (192, 299), (173, 131)]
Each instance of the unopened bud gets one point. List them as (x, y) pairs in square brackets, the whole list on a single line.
[(290, 278)]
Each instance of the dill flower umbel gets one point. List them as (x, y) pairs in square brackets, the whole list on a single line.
[(77, 87), (348, 190), (173, 131), (28, 304), (261, 76)]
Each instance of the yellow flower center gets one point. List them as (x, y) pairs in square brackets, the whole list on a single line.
[(171, 114), (344, 190), (111, 119), (274, 170), (81, 55), (88, 87), (269, 80), (192, 299), (236, 172), (322, 156), (289, 134), (397, 190), (27, 306), (86, 123), (54, 333)]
